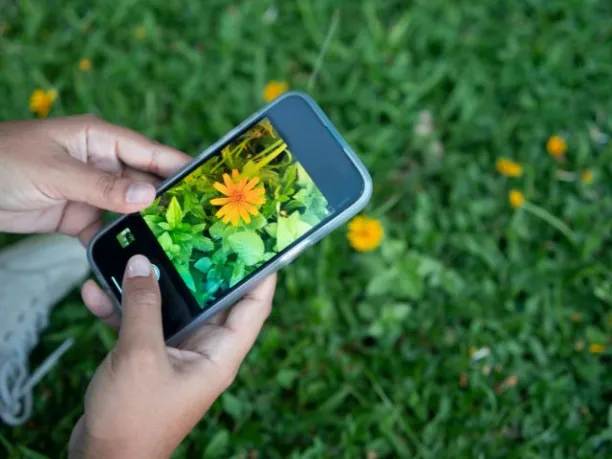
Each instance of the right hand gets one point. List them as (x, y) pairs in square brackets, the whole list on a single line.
[(145, 397)]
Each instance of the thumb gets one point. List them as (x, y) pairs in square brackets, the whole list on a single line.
[(83, 182), (141, 323)]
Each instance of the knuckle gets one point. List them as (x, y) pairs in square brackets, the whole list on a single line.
[(154, 165), (106, 184), (141, 296), (227, 376), (141, 358), (114, 361)]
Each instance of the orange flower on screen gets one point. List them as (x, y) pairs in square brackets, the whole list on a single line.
[(274, 89), (242, 198), (365, 233)]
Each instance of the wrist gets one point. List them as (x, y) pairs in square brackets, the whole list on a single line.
[(84, 446), (100, 450)]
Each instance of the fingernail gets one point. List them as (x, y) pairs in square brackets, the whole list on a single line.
[(138, 266), (139, 193)]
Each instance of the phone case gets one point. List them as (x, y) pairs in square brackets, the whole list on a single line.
[(282, 260)]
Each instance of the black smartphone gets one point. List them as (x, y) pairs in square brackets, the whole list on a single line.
[(244, 208)]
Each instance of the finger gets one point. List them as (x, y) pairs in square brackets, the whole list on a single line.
[(244, 321), (100, 304), (99, 142), (83, 220), (76, 181), (141, 324), (76, 217), (90, 231), (140, 176), (219, 318)]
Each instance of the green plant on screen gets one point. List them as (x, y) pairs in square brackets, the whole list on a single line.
[(235, 212)]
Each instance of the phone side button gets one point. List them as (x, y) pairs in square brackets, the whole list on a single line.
[(293, 253)]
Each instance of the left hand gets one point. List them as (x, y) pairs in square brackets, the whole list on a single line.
[(58, 175)]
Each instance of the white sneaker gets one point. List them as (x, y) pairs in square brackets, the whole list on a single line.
[(35, 274)]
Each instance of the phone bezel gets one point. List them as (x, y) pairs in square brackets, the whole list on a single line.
[(318, 233)]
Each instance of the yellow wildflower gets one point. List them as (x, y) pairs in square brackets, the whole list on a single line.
[(41, 101), (516, 198), (84, 65), (556, 146), (140, 32), (586, 177), (509, 168), (274, 89), (241, 198), (507, 383), (365, 233), (576, 316), (511, 381), (596, 348)]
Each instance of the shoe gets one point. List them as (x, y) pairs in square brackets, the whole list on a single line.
[(35, 273)]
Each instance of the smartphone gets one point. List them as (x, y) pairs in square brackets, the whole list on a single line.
[(244, 208)]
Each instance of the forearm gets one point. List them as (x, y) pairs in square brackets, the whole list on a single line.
[(98, 450)]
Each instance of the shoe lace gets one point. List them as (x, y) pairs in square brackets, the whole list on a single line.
[(15, 383)]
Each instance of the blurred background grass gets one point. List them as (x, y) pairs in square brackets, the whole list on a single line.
[(469, 333)]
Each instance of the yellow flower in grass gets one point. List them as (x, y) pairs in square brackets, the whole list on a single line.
[(41, 101), (556, 146), (516, 198), (576, 317), (596, 348), (241, 199), (140, 32), (365, 233), (274, 89), (586, 177), (509, 168), (84, 65)]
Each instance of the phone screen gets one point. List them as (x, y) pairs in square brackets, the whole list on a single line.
[(234, 212)]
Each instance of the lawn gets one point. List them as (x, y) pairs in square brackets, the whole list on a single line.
[(477, 329)]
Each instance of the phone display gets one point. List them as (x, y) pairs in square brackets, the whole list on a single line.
[(244, 208), (235, 212)]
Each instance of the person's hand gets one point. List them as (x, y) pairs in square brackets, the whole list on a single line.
[(146, 397), (56, 175)]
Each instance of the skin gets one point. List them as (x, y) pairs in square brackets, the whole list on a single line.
[(58, 176)]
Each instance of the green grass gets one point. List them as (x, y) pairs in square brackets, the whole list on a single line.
[(365, 353)]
